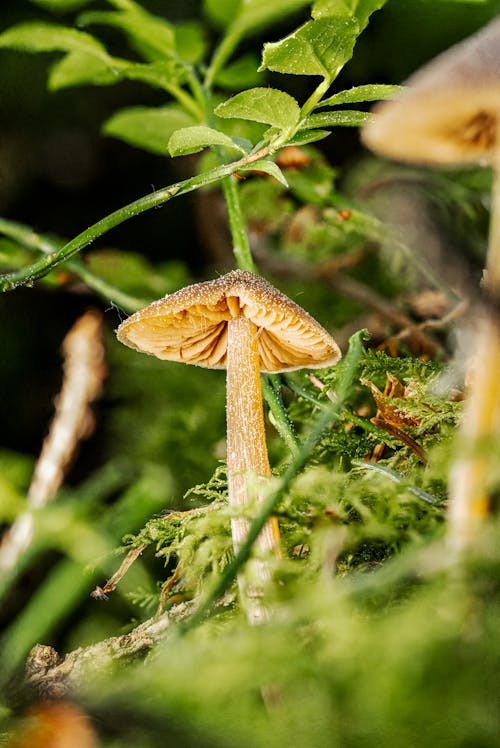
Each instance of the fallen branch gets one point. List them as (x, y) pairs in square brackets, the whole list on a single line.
[(53, 676)]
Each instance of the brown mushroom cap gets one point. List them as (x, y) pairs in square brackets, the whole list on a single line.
[(190, 325), (450, 111)]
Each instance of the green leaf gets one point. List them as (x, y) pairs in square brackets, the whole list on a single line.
[(161, 74), (370, 92), (221, 12), (258, 14), (147, 127), (319, 47), (336, 119), (303, 137), (80, 68), (47, 37), (190, 41), (61, 6), (195, 139), (267, 105), (154, 37), (245, 16), (269, 167), (243, 73), (361, 10)]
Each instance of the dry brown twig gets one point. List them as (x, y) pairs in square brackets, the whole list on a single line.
[(84, 372), (53, 676)]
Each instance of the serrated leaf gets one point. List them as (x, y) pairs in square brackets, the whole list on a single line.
[(47, 37), (147, 127), (303, 137), (195, 139), (319, 47), (267, 105), (370, 92), (361, 10), (154, 37), (342, 118), (269, 167)]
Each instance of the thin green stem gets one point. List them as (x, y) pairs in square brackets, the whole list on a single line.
[(30, 239), (271, 387), (315, 97), (222, 53), (239, 235), (44, 265)]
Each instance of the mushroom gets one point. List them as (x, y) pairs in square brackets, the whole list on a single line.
[(449, 115), (241, 323)]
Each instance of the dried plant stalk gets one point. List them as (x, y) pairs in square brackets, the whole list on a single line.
[(73, 421)]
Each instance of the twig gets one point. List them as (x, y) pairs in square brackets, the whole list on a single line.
[(101, 593), (53, 676), (83, 376)]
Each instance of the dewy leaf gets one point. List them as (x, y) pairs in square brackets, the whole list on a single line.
[(319, 47), (303, 137), (343, 118), (194, 139), (147, 127), (361, 10), (370, 92), (153, 36), (267, 105), (46, 37), (269, 167)]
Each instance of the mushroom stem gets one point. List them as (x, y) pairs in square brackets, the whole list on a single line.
[(247, 459), (469, 501)]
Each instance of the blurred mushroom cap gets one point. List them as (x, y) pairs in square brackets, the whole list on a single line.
[(450, 111), (190, 325)]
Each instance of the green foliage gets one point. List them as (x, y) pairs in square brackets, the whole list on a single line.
[(376, 634)]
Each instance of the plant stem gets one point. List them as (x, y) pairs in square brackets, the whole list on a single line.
[(271, 387), (315, 97), (222, 52), (41, 267), (30, 239), (241, 245)]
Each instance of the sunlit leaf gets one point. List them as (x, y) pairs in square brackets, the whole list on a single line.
[(194, 139), (266, 105), (361, 10), (337, 119), (245, 16), (268, 167), (148, 127), (80, 68), (303, 137), (370, 92), (319, 47), (154, 36), (46, 37)]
